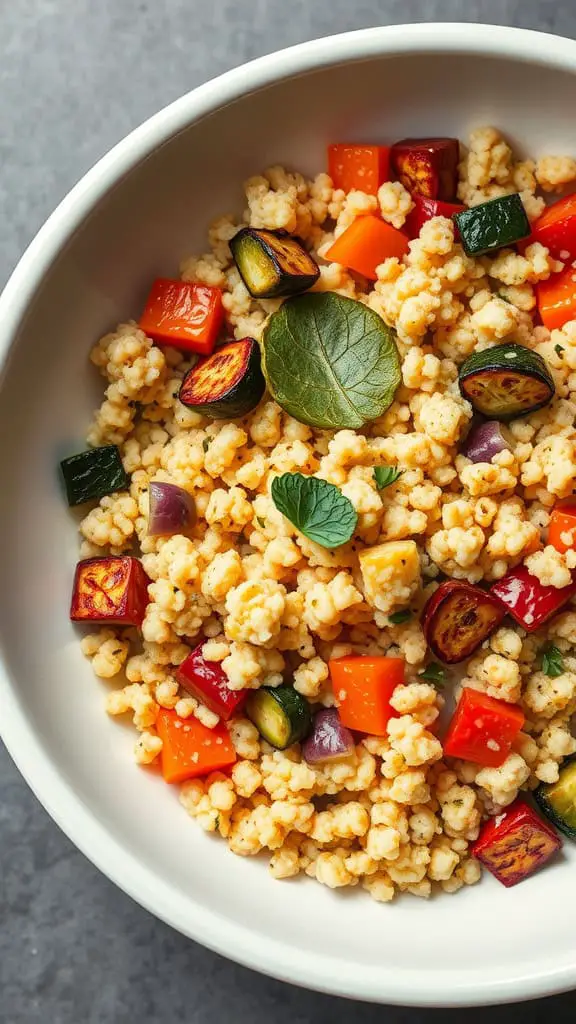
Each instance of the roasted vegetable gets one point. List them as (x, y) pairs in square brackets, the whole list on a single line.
[(562, 528), (110, 590), (271, 263), (427, 167), (228, 384), (458, 618), (171, 509), (93, 474), (493, 225), (424, 209), (558, 799), (329, 740), (482, 729), (362, 688), (557, 298), (208, 681), (528, 601), (190, 749), (485, 441), (281, 715), (515, 843), (363, 168), (183, 315), (556, 229), (506, 381), (367, 243)]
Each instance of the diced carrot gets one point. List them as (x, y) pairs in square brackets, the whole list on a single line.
[(557, 298), (562, 529), (186, 316), (367, 243), (358, 167), (363, 687), (189, 749)]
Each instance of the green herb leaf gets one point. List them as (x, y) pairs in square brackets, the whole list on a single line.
[(552, 661), (318, 509), (330, 361), (206, 444), (558, 349), (261, 522), (398, 617), (386, 475), (434, 673)]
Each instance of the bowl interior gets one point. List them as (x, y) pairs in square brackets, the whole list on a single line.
[(471, 947)]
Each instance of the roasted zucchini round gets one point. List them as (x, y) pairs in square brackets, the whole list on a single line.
[(558, 799), (506, 381), (271, 263), (281, 715), (227, 384)]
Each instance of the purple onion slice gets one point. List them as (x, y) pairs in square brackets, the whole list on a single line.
[(329, 739), (485, 441), (172, 509)]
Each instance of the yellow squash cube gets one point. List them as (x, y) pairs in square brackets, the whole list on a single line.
[(391, 574)]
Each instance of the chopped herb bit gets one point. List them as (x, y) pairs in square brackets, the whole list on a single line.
[(398, 617), (386, 475), (552, 661), (558, 349), (261, 522), (434, 673), (206, 444)]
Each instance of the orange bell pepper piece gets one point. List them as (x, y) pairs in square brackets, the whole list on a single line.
[(363, 687), (557, 298), (189, 749), (186, 316), (353, 166), (367, 243), (562, 529)]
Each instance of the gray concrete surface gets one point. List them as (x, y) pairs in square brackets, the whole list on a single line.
[(75, 76)]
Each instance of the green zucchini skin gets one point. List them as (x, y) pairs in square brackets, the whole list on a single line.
[(506, 381), (492, 225), (281, 715), (226, 385), (272, 263), (93, 474), (557, 800)]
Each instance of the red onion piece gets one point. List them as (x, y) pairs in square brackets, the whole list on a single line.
[(329, 739), (485, 441), (172, 509)]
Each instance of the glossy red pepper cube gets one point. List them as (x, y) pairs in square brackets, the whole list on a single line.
[(184, 315), (208, 681), (425, 209), (527, 600), (427, 167), (482, 729), (515, 843), (556, 228), (112, 591)]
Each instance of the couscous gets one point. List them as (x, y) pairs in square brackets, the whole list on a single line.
[(330, 555)]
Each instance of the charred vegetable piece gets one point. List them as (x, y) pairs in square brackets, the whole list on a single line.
[(113, 591), (184, 315), (93, 474), (485, 441), (208, 681), (424, 210), (558, 799), (427, 167), (228, 384), (506, 381), (528, 601), (458, 618), (281, 715), (482, 729), (171, 509), (514, 844), (493, 225), (271, 263)]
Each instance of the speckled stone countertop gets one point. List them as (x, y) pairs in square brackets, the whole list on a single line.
[(75, 76)]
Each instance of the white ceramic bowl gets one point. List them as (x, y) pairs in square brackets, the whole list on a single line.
[(131, 218)]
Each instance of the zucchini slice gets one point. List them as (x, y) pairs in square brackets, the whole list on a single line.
[(281, 715), (492, 225), (558, 799), (94, 474), (506, 381), (227, 384), (271, 263)]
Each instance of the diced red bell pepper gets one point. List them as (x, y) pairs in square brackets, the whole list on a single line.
[(482, 729), (110, 590), (562, 529), (208, 681), (367, 243), (427, 167), (362, 688), (556, 298), (189, 749), (556, 228), (515, 843), (425, 209), (186, 316), (353, 166), (527, 600)]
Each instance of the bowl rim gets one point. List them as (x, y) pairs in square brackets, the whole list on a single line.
[(410, 986)]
